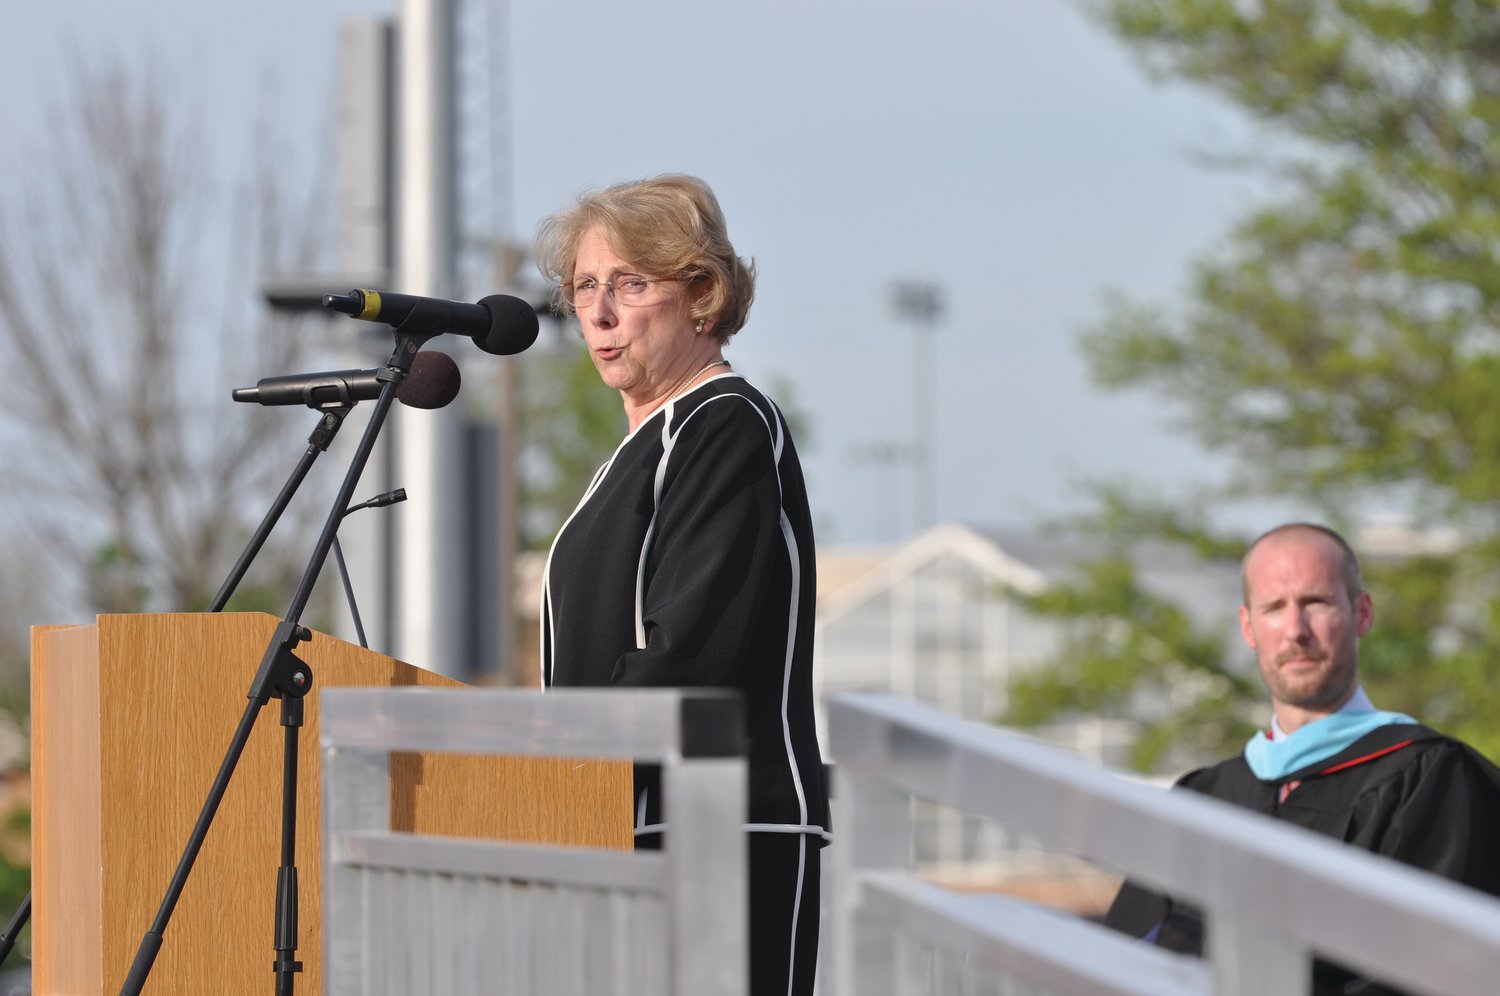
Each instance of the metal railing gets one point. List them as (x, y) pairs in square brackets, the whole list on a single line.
[(413, 914), (1274, 895)]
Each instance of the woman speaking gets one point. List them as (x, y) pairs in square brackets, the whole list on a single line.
[(689, 559)]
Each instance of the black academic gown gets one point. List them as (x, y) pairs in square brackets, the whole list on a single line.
[(1403, 790)]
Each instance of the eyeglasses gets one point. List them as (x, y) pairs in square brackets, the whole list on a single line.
[(627, 288)]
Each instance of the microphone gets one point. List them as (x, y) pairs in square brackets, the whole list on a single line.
[(498, 324), (380, 501), (432, 383)]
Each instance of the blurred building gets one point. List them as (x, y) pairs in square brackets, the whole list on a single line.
[(937, 618)]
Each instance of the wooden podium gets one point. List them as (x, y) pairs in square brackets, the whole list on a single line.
[(131, 718)]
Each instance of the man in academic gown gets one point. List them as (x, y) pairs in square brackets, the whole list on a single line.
[(1331, 761)]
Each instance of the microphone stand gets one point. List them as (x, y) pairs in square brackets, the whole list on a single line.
[(13, 928), (322, 436), (379, 501), (281, 675)]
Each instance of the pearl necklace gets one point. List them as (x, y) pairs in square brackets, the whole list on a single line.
[(711, 365), (687, 385)]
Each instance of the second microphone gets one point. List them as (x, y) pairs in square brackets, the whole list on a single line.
[(432, 383)]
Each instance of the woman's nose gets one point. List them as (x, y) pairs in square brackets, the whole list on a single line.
[(601, 311)]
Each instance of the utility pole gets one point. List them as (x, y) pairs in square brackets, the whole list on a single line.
[(431, 624), (885, 456), (921, 304)]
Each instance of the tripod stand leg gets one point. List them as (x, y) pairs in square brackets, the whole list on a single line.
[(286, 878), (13, 929)]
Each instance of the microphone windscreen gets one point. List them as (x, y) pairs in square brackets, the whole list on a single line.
[(513, 325), (432, 382)]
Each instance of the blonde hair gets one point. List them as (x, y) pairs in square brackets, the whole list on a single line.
[(669, 226)]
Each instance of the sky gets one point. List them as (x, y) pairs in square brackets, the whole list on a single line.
[(1008, 152)]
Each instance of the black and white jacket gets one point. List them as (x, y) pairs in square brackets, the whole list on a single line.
[(689, 562)]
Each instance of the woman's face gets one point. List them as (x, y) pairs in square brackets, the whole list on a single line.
[(646, 349)]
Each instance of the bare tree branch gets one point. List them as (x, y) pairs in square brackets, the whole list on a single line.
[(127, 449)]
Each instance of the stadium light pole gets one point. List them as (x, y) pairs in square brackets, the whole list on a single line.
[(921, 304)]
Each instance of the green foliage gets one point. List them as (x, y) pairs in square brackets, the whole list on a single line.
[(798, 422), (569, 424), (1342, 345), (1126, 650), (1344, 339), (1433, 650), (117, 579)]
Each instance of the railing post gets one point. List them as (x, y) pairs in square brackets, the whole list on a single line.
[(708, 896), (356, 796), (874, 827), (1250, 961)]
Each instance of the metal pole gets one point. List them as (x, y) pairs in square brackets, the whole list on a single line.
[(431, 625), (921, 303), (364, 250)]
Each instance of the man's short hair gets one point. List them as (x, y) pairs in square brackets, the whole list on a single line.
[(1353, 580)]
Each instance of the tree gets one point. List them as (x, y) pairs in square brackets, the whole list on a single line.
[(1342, 346), (569, 424), (1126, 650), (128, 465)]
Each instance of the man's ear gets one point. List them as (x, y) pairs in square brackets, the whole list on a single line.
[(1364, 613), (1245, 630)]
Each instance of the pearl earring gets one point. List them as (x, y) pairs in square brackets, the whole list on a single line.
[(700, 326)]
